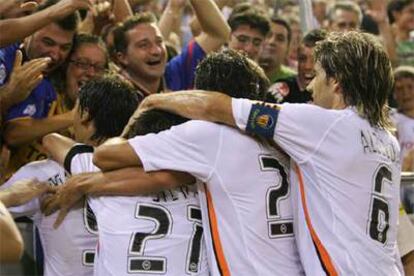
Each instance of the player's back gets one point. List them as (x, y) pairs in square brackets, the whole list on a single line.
[(69, 249), (346, 191), (141, 235), (249, 196), (246, 195)]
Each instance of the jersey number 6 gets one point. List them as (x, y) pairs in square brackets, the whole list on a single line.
[(379, 216)]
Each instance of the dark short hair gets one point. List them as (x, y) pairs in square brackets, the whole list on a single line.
[(232, 73), (360, 64), (251, 17), (68, 23), (110, 102), (313, 36), (120, 37), (396, 6), (154, 121), (285, 24)]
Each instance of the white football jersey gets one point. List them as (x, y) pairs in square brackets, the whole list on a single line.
[(405, 132), (345, 186), (69, 249), (245, 200), (161, 234)]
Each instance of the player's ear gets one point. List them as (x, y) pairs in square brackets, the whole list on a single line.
[(337, 87), (85, 118)]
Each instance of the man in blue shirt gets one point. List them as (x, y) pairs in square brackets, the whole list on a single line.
[(33, 117), (142, 55)]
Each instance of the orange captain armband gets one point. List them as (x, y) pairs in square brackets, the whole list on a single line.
[(262, 120)]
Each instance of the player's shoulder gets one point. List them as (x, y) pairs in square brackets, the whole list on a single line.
[(79, 158), (41, 170), (197, 132), (311, 110), (42, 165), (303, 111), (197, 127)]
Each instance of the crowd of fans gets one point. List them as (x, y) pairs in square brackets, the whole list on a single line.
[(51, 48)]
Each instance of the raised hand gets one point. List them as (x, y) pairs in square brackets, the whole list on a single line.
[(67, 196), (16, 8), (23, 79), (66, 7)]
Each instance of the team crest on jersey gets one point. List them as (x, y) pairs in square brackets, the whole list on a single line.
[(265, 121), (3, 73), (262, 120), (30, 110)]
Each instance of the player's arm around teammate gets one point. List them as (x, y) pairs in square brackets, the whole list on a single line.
[(193, 104), (129, 181)]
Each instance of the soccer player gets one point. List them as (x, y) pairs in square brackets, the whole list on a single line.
[(160, 233), (11, 242), (345, 181), (245, 198), (70, 249)]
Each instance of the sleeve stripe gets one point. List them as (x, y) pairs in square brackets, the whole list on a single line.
[(77, 149)]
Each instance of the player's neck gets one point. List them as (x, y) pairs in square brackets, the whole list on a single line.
[(338, 102)]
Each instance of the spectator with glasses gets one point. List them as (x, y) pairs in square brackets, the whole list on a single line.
[(88, 59)]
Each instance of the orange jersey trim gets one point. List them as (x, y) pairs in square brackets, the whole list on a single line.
[(218, 249), (321, 250)]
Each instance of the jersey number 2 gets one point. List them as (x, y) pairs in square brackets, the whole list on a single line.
[(163, 221), (91, 226), (279, 227)]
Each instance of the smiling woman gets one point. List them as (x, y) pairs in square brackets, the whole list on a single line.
[(88, 59)]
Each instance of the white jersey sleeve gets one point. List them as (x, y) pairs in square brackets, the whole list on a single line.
[(288, 124), (79, 159), (29, 171), (69, 249), (176, 141)]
